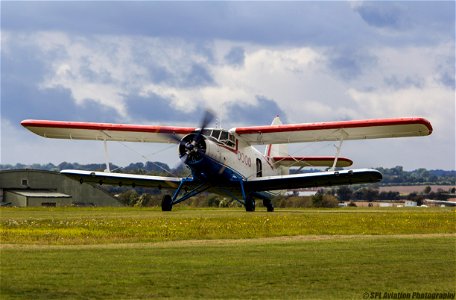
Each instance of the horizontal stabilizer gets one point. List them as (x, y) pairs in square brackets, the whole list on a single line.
[(310, 161)]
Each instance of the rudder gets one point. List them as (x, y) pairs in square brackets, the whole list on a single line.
[(275, 150)]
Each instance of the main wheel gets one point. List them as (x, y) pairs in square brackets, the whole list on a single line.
[(249, 204), (167, 203), (268, 205)]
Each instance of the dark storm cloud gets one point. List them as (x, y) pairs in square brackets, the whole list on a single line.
[(260, 113), (448, 79), (304, 23), (350, 63), (190, 73), (157, 109), (400, 83), (236, 56), (22, 98), (197, 76), (265, 22), (424, 21), (389, 15), (446, 71)]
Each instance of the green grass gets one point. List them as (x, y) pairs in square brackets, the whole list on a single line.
[(341, 268), (119, 253), (128, 225)]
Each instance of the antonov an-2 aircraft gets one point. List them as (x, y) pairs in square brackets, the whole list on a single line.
[(226, 161)]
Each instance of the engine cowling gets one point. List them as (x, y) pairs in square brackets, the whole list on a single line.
[(192, 148)]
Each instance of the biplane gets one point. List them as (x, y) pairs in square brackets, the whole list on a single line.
[(227, 162)]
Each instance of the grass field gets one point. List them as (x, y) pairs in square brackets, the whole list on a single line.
[(105, 253)]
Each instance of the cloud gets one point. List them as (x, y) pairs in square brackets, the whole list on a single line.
[(400, 83), (268, 23), (158, 110), (260, 113), (388, 15), (198, 76), (236, 56), (247, 61), (351, 63), (406, 22)]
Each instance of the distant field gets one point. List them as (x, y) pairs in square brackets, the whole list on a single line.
[(407, 189), (133, 225), (120, 253)]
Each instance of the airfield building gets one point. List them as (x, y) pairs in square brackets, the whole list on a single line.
[(45, 188)]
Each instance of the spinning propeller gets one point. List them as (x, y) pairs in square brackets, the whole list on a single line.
[(192, 147)]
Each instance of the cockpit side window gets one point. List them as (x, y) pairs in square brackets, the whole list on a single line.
[(224, 136), (207, 132), (228, 139), (216, 134)]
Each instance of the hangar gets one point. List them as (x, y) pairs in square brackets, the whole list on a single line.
[(45, 188)]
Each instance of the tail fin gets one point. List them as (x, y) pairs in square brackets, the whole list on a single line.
[(277, 149)]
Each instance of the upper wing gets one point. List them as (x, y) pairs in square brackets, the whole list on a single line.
[(105, 131), (310, 161), (122, 179), (318, 179), (333, 131)]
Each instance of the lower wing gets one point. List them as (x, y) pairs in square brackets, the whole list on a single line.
[(310, 161), (123, 179), (319, 179)]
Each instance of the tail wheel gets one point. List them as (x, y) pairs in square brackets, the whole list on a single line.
[(167, 203)]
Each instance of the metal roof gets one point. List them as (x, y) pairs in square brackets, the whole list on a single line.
[(39, 193)]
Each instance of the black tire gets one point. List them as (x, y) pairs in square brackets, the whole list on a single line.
[(167, 204), (249, 204), (268, 205)]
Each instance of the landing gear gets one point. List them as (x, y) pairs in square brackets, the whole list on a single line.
[(268, 205), (167, 203), (249, 203)]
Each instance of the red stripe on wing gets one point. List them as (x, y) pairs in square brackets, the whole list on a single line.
[(334, 125), (107, 126)]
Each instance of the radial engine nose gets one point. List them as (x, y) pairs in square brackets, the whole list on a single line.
[(192, 148)]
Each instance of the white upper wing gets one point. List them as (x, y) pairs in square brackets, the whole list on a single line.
[(106, 131), (333, 131)]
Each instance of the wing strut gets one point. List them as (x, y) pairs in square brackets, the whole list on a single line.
[(106, 156), (198, 189), (343, 135)]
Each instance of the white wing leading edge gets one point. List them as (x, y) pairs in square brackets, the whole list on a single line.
[(106, 131), (318, 179), (334, 131), (123, 179)]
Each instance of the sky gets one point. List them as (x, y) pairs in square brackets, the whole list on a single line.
[(164, 63)]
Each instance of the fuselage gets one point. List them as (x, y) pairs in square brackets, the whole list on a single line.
[(228, 159)]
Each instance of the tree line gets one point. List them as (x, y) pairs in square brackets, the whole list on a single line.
[(325, 197), (391, 176)]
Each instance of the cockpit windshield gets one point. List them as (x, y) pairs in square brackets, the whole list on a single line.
[(221, 136)]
